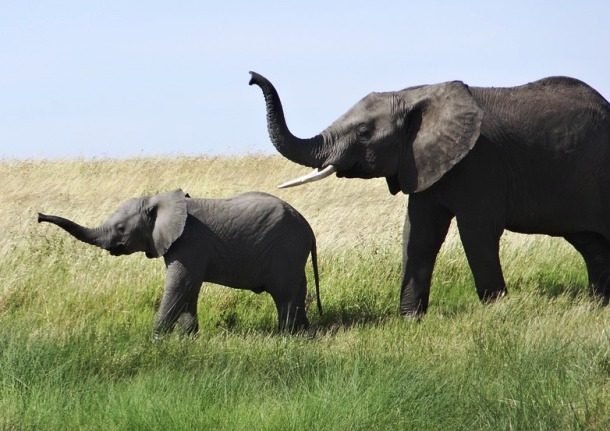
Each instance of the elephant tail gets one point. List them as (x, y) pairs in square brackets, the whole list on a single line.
[(314, 263)]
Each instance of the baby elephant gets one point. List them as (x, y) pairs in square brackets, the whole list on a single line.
[(252, 241)]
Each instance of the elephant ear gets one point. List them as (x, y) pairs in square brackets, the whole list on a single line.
[(169, 213), (443, 123)]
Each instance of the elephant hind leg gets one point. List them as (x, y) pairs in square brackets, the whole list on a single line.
[(595, 250), (290, 303)]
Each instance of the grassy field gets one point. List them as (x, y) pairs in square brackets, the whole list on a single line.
[(75, 323)]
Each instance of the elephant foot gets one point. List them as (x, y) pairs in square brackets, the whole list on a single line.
[(188, 324), (413, 309), (603, 300), (601, 291), (412, 317), (602, 297), (294, 327), (491, 296), (293, 321)]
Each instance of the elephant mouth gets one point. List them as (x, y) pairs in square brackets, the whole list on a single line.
[(118, 250), (356, 170), (355, 173)]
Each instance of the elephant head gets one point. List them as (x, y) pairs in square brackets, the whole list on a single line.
[(149, 224), (411, 137)]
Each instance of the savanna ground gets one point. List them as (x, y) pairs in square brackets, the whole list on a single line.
[(75, 323)]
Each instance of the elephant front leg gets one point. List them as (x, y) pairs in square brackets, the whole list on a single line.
[(481, 243), (179, 302), (425, 229)]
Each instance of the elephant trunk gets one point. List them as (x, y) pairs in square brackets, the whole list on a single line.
[(84, 234), (308, 152)]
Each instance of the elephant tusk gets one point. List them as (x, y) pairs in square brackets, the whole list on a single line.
[(315, 175)]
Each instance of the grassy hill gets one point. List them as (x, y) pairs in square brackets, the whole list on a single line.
[(75, 323)]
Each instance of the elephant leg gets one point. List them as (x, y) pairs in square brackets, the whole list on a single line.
[(290, 304), (595, 251), (188, 321), (179, 301), (481, 243), (425, 229)]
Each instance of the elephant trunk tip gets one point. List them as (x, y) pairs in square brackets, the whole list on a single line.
[(255, 78), (42, 217)]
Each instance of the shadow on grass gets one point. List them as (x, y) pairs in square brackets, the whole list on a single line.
[(337, 319), (552, 290), (333, 320), (330, 323), (573, 291)]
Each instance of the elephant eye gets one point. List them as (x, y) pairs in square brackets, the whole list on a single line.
[(364, 131), (120, 228)]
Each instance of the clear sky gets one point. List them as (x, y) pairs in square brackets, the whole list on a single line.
[(146, 78)]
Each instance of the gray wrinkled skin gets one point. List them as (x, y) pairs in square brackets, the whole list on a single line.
[(531, 159), (252, 241)]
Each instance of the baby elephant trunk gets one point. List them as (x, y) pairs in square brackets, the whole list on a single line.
[(84, 234)]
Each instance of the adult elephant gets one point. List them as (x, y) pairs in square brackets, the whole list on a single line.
[(531, 159)]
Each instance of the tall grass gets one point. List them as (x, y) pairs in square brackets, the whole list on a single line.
[(75, 324)]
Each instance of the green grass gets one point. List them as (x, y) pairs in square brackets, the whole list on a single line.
[(75, 329)]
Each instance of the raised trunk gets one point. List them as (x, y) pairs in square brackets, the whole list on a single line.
[(84, 234), (308, 152)]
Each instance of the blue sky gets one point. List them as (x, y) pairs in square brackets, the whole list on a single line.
[(110, 78)]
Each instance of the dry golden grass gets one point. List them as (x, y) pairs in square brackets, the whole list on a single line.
[(342, 212)]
